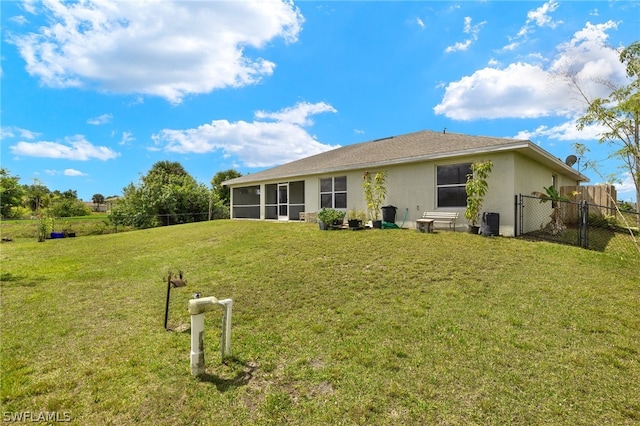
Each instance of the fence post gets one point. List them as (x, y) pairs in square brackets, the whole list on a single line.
[(521, 214), (584, 224), (515, 216)]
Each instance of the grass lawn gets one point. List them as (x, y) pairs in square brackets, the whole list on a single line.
[(94, 224), (338, 327)]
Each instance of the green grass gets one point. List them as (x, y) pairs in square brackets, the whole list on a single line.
[(95, 224), (338, 327)]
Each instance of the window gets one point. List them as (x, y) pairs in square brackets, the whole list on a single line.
[(450, 185), (333, 192)]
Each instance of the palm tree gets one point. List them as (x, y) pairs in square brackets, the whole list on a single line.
[(556, 226), (97, 200)]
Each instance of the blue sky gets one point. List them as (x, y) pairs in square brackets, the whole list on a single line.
[(95, 92)]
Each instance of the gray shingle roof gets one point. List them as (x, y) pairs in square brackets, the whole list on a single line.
[(410, 147)]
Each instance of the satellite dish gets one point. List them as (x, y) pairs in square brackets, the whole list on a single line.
[(571, 160)]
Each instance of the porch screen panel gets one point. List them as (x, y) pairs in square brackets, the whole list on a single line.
[(296, 199), (271, 201), (246, 202)]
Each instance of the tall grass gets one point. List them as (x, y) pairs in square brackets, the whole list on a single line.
[(336, 327)]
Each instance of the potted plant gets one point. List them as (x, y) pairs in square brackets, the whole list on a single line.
[(476, 188), (375, 192), (330, 217), (45, 226), (355, 218), (67, 230)]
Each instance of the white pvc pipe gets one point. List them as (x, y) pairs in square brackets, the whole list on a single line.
[(226, 327), (197, 344), (197, 309)]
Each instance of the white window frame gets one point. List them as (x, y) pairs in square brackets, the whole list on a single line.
[(333, 192)]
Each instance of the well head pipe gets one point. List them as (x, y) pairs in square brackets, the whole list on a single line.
[(202, 305)]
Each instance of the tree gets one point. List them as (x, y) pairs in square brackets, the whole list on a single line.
[(132, 210), (166, 195), (162, 171), (375, 191), (620, 115), (476, 189), (69, 194), (67, 207), (37, 196), (223, 192), (10, 193), (97, 199)]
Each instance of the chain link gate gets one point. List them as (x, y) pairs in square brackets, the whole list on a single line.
[(581, 224)]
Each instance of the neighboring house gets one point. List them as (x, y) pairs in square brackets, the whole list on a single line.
[(426, 171), (96, 208)]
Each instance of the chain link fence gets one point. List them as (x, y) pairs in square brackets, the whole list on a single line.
[(581, 224), (91, 225)]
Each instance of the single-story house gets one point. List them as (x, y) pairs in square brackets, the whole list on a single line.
[(426, 171)]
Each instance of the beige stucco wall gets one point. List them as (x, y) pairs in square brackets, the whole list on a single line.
[(413, 187)]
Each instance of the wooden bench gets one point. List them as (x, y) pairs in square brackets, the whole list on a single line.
[(308, 217), (428, 218)]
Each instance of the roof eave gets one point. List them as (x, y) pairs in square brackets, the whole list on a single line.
[(520, 145)]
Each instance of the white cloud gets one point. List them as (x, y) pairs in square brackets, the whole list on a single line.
[(525, 90), (256, 144), (73, 172), (101, 119), (12, 131), (75, 148), (473, 30), (540, 17), (127, 138), (511, 46), (420, 22), (566, 131), (626, 185), (66, 172), (299, 114), (458, 46), (162, 48), (588, 56), (28, 5), (518, 91), (19, 19)]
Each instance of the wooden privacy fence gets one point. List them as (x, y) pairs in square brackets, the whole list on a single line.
[(601, 198)]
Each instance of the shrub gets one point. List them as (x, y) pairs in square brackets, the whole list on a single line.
[(331, 216)]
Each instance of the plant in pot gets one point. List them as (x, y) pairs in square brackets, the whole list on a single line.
[(476, 188), (330, 217), (45, 226), (355, 218), (67, 230), (375, 191)]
